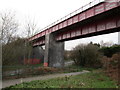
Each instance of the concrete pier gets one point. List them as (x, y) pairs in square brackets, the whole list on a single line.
[(54, 52)]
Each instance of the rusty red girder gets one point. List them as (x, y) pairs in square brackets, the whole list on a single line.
[(101, 17)]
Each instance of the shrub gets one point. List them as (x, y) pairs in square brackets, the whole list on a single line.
[(111, 62), (109, 51), (86, 55), (13, 53), (111, 66)]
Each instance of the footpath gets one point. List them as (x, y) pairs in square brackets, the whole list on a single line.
[(8, 83)]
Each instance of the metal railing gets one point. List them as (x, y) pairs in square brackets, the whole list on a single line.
[(83, 8)]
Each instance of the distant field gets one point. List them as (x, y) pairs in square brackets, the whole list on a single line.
[(93, 79)]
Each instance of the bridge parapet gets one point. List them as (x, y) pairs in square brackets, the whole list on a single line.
[(95, 8), (55, 25)]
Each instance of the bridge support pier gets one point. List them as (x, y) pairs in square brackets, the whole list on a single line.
[(54, 52)]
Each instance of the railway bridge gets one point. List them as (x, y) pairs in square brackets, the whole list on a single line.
[(96, 18)]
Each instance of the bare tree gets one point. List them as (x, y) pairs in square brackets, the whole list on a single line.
[(8, 27), (31, 28), (8, 31)]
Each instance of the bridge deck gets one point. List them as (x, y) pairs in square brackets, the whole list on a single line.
[(79, 23)]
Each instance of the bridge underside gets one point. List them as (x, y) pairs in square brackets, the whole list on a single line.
[(108, 22)]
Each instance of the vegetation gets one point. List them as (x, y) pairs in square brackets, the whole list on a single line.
[(86, 55), (67, 55), (15, 47), (15, 52), (94, 79), (22, 66), (93, 55), (8, 27), (111, 66), (34, 70), (109, 51)]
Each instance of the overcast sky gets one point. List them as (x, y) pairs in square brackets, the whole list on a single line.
[(45, 12)]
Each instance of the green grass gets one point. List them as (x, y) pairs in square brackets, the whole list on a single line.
[(34, 70), (93, 79), (76, 68), (79, 68), (15, 67)]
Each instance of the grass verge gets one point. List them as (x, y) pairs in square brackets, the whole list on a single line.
[(93, 79), (35, 70), (16, 67)]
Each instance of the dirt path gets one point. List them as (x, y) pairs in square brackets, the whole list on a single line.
[(8, 83)]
